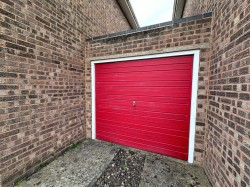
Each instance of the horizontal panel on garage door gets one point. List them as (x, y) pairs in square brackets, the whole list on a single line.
[(160, 92), (148, 62), (146, 98), (165, 68), (137, 113), (145, 104), (176, 131), (145, 83), (140, 76)]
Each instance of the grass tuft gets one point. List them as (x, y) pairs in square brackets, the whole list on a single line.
[(18, 182), (74, 146)]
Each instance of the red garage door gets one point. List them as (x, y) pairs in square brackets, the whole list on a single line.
[(145, 104)]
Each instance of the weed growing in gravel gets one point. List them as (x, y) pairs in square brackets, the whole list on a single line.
[(18, 182), (125, 165), (75, 146), (110, 145)]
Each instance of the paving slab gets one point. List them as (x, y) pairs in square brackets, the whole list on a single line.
[(91, 165), (76, 168), (162, 171)]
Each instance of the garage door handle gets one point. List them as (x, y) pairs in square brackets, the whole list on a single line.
[(134, 103)]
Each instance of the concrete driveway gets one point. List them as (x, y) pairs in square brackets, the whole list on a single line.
[(99, 163)]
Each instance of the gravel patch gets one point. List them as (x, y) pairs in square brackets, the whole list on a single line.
[(124, 170)]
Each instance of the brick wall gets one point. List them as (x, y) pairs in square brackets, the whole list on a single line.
[(184, 34), (42, 77), (227, 159), (194, 7)]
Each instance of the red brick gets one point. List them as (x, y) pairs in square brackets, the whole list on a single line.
[(230, 29), (42, 85)]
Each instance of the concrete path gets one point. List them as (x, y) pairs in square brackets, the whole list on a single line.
[(83, 165), (161, 171)]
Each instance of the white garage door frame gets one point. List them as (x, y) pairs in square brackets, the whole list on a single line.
[(195, 71)]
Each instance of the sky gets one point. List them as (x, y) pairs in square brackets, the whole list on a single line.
[(149, 12)]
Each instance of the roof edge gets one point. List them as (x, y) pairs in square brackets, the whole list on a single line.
[(179, 6), (129, 13), (150, 27)]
